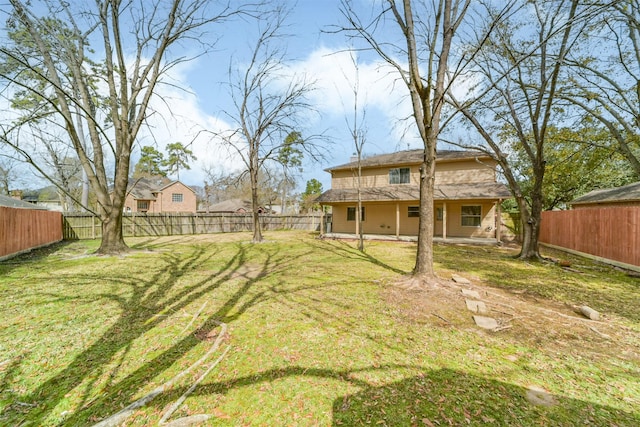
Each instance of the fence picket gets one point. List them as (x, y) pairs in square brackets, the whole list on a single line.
[(608, 232)]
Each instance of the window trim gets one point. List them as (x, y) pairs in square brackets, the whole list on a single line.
[(463, 216), (399, 173), (142, 205), (351, 213)]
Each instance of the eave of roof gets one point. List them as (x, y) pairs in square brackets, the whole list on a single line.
[(626, 193), (10, 202), (479, 191), (409, 157)]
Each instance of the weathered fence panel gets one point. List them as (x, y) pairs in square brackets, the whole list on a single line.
[(86, 226), (609, 232), (24, 229)]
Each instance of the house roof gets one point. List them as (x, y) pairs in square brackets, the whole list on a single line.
[(409, 157), (144, 188), (10, 202), (490, 190), (626, 193), (231, 205)]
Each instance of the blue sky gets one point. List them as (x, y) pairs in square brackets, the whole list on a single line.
[(323, 58), (182, 113)]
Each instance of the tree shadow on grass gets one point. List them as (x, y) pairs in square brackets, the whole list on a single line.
[(139, 309), (448, 397), (346, 250)]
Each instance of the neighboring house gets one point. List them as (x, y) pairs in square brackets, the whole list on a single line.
[(239, 206), (16, 202), (159, 195), (627, 195), (467, 195)]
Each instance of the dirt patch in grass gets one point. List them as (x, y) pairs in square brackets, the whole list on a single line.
[(534, 321)]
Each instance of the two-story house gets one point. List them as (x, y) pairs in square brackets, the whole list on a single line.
[(159, 195), (467, 195)]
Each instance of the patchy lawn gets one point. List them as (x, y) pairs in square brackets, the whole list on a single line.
[(317, 334)]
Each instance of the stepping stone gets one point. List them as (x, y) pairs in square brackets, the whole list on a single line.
[(460, 279), (539, 396), (476, 306), (471, 294), (485, 322)]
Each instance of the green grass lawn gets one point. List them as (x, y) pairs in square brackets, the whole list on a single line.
[(317, 335)]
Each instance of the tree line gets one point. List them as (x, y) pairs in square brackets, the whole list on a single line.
[(550, 88)]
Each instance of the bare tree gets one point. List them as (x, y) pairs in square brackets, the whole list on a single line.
[(427, 31), (268, 105), (521, 69), (358, 133), (137, 39), (607, 86)]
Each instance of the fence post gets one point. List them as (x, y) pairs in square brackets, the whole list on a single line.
[(93, 227)]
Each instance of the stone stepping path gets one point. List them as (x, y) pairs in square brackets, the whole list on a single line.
[(475, 305)]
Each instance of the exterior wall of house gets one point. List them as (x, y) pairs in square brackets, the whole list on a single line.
[(165, 201), (464, 171), (169, 199), (380, 218)]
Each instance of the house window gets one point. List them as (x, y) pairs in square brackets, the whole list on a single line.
[(351, 214), (176, 197), (413, 211), (399, 175), (143, 205), (439, 214), (471, 216)]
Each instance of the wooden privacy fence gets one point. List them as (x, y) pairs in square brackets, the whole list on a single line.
[(24, 229), (86, 226), (612, 233)]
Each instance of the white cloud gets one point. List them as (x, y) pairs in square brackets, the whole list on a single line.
[(179, 117)]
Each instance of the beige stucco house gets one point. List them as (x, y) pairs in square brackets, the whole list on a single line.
[(159, 195), (467, 195)]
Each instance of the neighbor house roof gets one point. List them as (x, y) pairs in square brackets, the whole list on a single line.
[(409, 157), (231, 205), (626, 193), (10, 202), (144, 188), (490, 190)]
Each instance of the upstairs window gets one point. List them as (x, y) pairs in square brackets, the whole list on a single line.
[(351, 214), (399, 175), (471, 216), (176, 197)]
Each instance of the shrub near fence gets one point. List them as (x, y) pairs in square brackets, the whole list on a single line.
[(612, 233), (24, 229), (85, 226)]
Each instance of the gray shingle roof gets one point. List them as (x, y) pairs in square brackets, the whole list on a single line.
[(626, 193), (409, 157), (10, 202), (473, 191)]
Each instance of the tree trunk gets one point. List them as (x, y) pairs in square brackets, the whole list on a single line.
[(424, 257), (253, 175), (112, 238), (530, 229)]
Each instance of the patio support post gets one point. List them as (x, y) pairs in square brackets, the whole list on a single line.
[(499, 221), (444, 220), (397, 220)]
